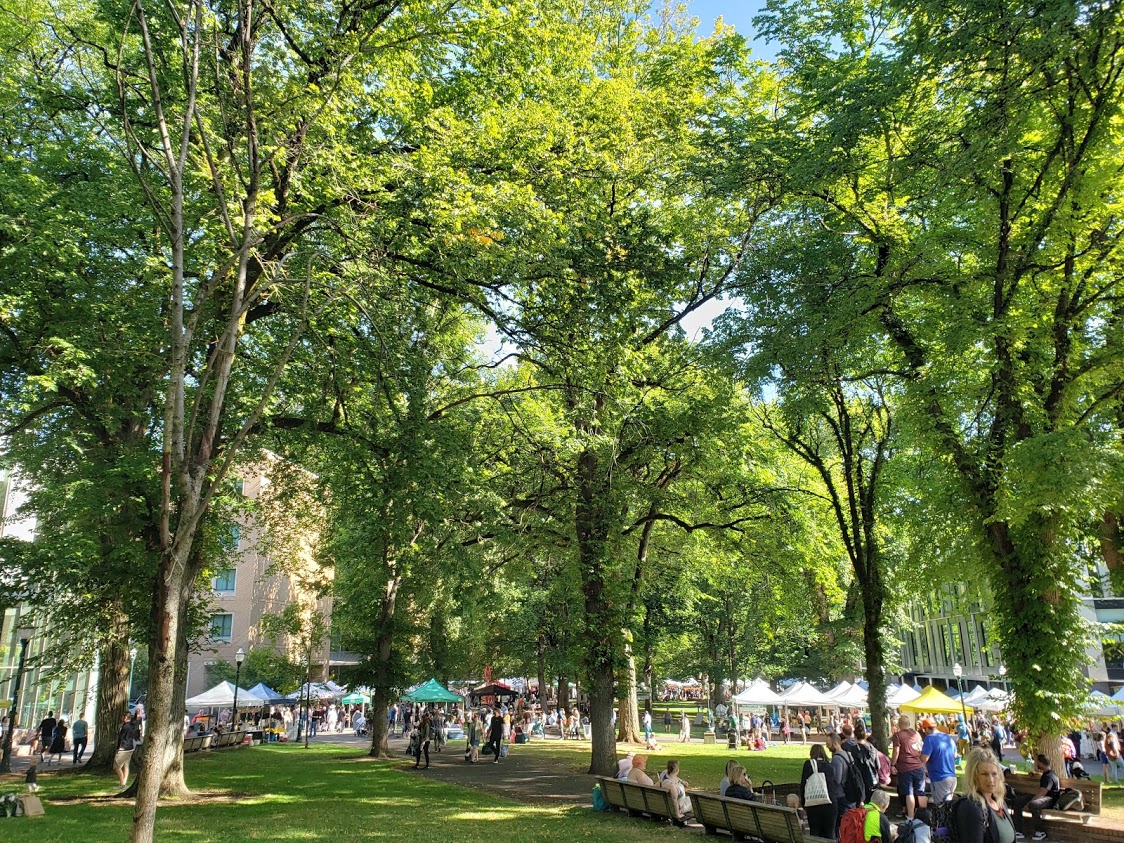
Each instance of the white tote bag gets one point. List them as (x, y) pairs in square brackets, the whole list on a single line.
[(815, 789)]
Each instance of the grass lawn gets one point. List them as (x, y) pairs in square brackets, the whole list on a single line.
[(328, 793)]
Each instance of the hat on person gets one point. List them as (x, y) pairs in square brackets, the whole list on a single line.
[(928, 723)]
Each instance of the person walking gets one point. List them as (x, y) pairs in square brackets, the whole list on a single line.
[(46, 734), (647, 726), (425, 735), (982, 815), (819, 793), (79, 735), (58, 741), (685, 729), (495, 735), (127, 738)]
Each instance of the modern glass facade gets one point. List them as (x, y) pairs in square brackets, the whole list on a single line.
[(45, 687)]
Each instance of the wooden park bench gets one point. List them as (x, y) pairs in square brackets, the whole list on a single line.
[(756, 820), (637, 799), (1025, 784)]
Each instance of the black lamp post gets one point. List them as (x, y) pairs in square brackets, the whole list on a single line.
[(958, 671), (239, 657), (24, 634), (132, 663)]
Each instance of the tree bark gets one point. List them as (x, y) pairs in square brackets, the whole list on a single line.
[(380, 703), (542, 669), (628, 719), (113, 697)]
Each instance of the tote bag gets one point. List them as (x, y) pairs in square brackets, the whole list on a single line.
[(815, 789)]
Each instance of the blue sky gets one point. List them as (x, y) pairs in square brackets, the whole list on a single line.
[(738, 13)]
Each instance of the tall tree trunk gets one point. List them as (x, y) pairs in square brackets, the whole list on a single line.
[(384, 647), (628, 719), (113, 696), (163, 731), (541, 675), (173, 784), (563, 690), (600, 623)]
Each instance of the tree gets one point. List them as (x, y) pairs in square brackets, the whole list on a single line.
[(973, 188), (586, 203)]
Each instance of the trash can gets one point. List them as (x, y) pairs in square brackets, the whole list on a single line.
[(732, 739)]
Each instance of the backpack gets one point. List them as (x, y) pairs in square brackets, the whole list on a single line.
[(600, 803), (852, 828), (852, 780), (885, 774), (867, 762), (914, 831), (943, 819), (1069, 800)]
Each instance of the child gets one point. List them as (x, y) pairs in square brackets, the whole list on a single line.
[(32, 778)]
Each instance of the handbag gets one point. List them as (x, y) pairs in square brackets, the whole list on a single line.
[(815, 789)]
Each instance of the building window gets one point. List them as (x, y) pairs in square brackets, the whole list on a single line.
[(240, 487), (221, 627), (236, 536), (223, 581)]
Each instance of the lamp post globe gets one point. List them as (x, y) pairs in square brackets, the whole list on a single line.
[(24, 635), (239, 657)]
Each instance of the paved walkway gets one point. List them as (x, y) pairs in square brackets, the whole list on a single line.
[(524, 776)]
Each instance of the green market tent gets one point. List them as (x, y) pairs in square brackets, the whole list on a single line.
[(355, 698), (432, 691)]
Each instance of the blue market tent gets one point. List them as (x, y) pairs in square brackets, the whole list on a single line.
[(266, 693)]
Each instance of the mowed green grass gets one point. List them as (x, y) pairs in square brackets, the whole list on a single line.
[(325, 793)]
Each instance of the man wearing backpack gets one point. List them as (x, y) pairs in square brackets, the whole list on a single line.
[(847, 774), (868, 823), (862, 754), (938, 751)]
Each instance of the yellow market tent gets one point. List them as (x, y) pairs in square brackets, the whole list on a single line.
[(932, 701)]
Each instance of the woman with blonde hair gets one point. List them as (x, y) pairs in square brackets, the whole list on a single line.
[(982, 816), (731, 765), (740, 785)]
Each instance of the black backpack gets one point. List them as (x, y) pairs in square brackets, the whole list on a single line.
[(943, 820), (852, 780), (867, 762), (1069, 800)]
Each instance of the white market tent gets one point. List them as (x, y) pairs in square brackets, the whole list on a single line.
[(902, 695), (997, 700), (1118, 696), (1102, 705), (856, 697), (978, 695), (757, 692), (316, 691), (803, 694), (223, 695), (840, 689)]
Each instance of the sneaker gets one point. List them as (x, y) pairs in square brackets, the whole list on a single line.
[(1039, 835), (1020, 836)]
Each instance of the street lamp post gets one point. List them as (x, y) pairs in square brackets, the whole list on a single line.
[(24, 634), (132, 662), (958, 672), (239, 657)]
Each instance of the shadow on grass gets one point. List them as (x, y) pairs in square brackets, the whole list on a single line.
[(282, 794)]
